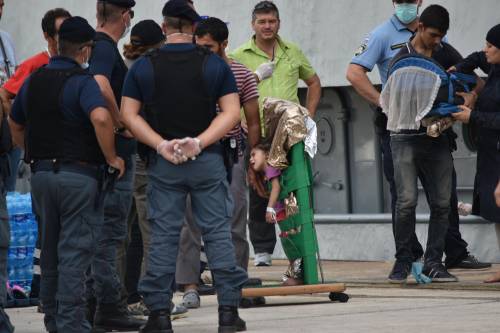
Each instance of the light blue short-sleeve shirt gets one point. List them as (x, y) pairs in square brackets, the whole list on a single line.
[(381, 45)]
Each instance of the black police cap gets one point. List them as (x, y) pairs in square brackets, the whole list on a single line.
[(180, 9), (76, 29), (120, 3), (146, 33)]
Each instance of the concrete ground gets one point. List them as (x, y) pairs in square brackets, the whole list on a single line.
[(375, 306)]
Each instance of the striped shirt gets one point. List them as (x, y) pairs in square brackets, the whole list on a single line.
[(247, 89)]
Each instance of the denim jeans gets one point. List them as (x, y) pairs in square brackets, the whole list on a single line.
[(205, 180), (430, 157), (388, 165)]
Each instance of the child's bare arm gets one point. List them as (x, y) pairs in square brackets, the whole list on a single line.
[(273, 199), (275, 192)]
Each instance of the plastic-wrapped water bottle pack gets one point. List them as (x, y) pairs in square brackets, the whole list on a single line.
[(23, 236)]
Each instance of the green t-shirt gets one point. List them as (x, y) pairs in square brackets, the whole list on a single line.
[(291, 65)]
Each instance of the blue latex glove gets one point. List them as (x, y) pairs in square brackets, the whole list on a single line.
[(416, 271)]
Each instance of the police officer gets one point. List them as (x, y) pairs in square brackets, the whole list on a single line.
[(180, 85), (61, 120), (378, 48), (106, 64)]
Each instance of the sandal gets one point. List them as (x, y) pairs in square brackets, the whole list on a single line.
[(191, 299)]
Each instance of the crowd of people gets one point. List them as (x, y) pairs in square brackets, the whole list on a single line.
[(140, 164)]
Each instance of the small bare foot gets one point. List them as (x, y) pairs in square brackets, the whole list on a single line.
[(493, 279)]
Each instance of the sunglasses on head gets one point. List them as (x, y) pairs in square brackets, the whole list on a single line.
[(265, 5)]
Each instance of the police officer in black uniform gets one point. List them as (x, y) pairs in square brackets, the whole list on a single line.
[(106, 64), (180, 85), (61, 119)]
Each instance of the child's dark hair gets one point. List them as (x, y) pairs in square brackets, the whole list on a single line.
[(263, 145)]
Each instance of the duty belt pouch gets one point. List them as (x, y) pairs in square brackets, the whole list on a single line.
[(230, 155)]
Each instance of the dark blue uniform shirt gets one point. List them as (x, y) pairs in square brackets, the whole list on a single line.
[(107, 61), (81, 95), (139, 83)]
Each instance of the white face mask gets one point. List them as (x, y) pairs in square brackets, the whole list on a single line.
[(85, 64)]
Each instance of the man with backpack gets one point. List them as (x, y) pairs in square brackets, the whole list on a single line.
[(417, 155), (378, 48)]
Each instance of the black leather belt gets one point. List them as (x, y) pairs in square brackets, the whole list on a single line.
[(421, 131), (67, 166)]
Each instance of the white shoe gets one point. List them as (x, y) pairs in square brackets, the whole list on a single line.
[(263, 259), (464, 209)]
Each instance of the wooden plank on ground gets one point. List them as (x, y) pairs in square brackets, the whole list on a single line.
[(294, 290)]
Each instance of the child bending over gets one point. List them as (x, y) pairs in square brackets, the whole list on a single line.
[(276, 211)]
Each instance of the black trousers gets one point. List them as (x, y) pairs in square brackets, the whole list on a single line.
[(455, 246), (262, 234)]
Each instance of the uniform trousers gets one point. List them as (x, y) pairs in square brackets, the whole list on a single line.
[(204, 179), (70, 222), (106, 281), (188, 261)]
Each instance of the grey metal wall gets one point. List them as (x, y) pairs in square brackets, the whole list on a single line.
[(348, 168), (329, 31)]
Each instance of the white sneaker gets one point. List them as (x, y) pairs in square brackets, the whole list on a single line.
[(262, 259), (464, 209)]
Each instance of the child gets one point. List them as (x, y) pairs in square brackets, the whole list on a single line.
[(276, 211), (258, 161)]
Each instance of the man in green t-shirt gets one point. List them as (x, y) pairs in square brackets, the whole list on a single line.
[(278, 66)]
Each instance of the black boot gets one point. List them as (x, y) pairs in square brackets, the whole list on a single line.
[(230, 321), (113, 317), (158, 322)]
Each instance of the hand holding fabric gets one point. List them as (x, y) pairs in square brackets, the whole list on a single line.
[(270, 215), (464, 115), (469, 99)]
